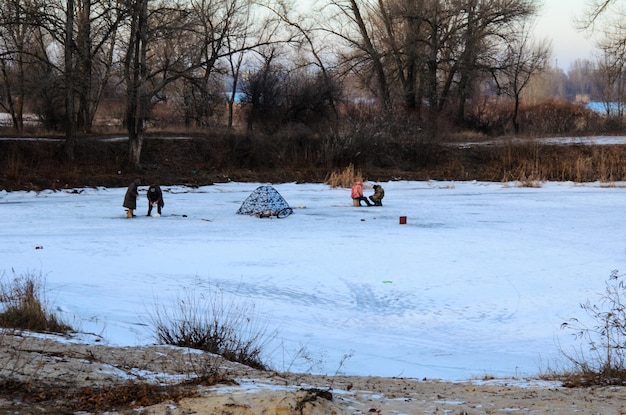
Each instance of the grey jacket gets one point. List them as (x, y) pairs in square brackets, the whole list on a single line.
[(379, 193)]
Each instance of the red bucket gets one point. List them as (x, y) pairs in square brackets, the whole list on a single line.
[(402, 220)]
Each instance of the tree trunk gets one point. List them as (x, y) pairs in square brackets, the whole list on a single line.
[(136, 144), (137, 100), (375, 57), (516, 114), (70, 131), (85, 68)]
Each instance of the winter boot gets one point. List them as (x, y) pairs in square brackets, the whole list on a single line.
[(129, 213)]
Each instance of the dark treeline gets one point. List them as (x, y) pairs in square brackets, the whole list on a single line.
[(385, 73), (377, 153)]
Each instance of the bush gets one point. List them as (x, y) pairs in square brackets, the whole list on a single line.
[(605, 360), (209, 323), (24, 307)]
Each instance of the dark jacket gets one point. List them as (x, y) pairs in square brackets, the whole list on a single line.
[(130, 198), (155, 195)]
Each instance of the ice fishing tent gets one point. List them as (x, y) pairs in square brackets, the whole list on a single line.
[(265, 201)]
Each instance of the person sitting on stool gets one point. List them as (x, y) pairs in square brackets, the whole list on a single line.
[(357, 195)]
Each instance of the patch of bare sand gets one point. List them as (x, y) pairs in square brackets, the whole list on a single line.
[(69, 366)]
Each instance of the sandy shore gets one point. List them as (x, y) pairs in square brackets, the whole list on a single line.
[(40, 362)]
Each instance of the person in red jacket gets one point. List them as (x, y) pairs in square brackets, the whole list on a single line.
[(357, 194)]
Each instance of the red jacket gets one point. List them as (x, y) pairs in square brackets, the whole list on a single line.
[(357, 190)]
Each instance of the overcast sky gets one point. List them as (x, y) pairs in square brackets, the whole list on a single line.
[(556, 23)]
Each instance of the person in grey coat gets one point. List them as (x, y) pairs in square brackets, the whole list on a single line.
[(130, 198), (155, 198), (378, 195)]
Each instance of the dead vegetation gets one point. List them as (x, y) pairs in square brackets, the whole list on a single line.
[(209, 322), (199, 161), (344, 178), (375, 146), (58, 376), (24, 306), (25, 361)]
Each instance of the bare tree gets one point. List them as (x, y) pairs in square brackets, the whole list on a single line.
[(85, 32), (70, 128), (23, 52), (314, 81), (549, 84), (523, 60), (583, 80), (612, 70), (486, 27), (595, 10), (431, 49), (262, 93), (405, 34), (354, 24), (235, 62), (135, 73), (65, 38), (169, 31), (96, 42), (227, 32), (608, 17), (188, 43), (236, 45)]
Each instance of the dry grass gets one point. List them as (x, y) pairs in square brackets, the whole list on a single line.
[(344, 178), (24, 307), (131, 394)]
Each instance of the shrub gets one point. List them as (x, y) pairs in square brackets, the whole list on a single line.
[(605, 360), (210, 323), (24, 307)]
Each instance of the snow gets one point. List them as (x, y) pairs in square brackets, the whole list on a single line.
[(595, 140), (475, 284)]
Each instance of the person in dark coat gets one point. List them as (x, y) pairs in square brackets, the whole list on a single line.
[(378, 195), (155, 198), (130, 198)]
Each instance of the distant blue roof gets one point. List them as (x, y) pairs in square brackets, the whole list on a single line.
[(601, 107)]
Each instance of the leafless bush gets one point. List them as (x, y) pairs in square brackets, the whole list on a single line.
[(604, 360), (555, 117), (24, 308), (209, 322), (274, 97), (549, 117)]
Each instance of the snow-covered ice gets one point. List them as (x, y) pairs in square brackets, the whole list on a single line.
[(476, 283)]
